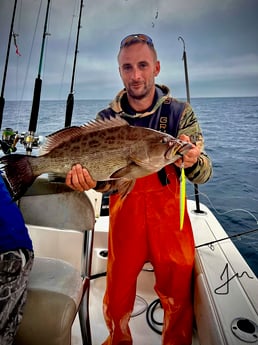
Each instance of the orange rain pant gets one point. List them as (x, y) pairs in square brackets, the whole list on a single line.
[(145, 227)]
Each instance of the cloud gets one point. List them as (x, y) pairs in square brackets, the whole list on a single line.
[(220, 38)]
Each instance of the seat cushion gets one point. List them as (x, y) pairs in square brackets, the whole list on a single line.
[(54, 293), (56, 275)]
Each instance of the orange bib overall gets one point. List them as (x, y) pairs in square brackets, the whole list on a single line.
[(145, 227)]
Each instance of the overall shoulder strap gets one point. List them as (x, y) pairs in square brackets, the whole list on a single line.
[(170, 114), (169, 117)]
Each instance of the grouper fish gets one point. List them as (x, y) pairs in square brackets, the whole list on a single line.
[(110, 149)]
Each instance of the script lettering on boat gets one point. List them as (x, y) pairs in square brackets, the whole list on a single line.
[(225, 274)]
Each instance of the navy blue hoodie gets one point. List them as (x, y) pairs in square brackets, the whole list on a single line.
[(13, 232)]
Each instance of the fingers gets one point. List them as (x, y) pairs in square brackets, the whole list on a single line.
[(78, 178), (191, 157), (185, 138)]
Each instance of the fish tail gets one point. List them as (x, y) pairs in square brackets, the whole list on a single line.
[(19, 173)]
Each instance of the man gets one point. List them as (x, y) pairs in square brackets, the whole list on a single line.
[(144, 226), (16, 258)]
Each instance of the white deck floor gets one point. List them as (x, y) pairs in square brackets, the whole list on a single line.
[(222, 277), (141, 332)]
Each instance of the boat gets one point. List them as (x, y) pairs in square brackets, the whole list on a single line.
[(221, 277), (225, 287), (69, 231)]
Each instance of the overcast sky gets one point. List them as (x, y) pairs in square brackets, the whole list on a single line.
[(221, 38)]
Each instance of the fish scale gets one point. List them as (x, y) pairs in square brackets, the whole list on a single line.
[(111, 150)]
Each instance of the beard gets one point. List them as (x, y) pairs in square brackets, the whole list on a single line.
[(139, 93)]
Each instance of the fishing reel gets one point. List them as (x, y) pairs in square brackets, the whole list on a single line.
[(9, 140), (29, 140)]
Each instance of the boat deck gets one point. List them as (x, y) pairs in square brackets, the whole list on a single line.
[(222, 277), (141, 332)]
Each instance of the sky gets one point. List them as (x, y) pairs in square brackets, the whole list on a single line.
[(221, 42)]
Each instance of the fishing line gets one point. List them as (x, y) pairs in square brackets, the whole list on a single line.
[(14, 38), (74, 15), (17, 60), (47, 34), (226, 238), (245, 185), (212, 205), (155, 14), (30, 54), (223, 213), (229, 211)]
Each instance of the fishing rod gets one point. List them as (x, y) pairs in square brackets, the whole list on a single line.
[(70, 98), (29, 140), (184, 58), (226, 238), (2, 100)]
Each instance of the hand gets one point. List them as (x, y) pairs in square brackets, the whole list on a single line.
[(78, 178), (191, 157)]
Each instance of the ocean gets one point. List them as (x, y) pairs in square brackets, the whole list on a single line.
[(230, 127)]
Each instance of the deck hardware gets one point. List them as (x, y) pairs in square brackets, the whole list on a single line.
[(104, 253), (245, 329)]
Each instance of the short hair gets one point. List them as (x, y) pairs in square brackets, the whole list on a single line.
[(137, 38)]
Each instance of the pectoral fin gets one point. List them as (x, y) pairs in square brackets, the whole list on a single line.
[(124, 187), (131, 171)]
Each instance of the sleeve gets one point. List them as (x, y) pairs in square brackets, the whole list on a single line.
[(105, 113), (201, 171)]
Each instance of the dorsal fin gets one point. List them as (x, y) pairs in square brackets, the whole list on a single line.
[(66, 134)]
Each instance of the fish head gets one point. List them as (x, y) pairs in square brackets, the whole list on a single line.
[(158, 150), (176, 149)]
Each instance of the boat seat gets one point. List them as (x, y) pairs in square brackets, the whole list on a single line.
[(61, 225)]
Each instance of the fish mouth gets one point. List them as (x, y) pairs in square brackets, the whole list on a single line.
[(178, 148)]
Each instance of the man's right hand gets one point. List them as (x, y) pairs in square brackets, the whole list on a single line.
[(78, 178)]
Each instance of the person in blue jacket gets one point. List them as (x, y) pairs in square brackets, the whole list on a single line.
[(16, 259)]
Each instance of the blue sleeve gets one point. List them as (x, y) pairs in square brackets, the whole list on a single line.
[(14, 233)]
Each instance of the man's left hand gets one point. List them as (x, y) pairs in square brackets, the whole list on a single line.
[(191, 157)]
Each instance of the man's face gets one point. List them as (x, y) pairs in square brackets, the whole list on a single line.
[(138, 68)]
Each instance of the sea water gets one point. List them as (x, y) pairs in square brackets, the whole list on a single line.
[(230, 127)]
